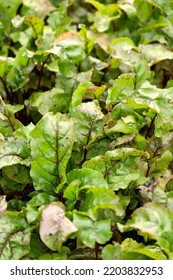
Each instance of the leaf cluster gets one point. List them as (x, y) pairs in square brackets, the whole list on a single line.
[(86, 129)]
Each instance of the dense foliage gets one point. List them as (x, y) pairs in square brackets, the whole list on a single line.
[(86, 129)]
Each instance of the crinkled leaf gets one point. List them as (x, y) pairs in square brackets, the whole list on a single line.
[(88, 123), (126, 125), (15, 204), (160, 164), (51, 145), (55, 228), (8, 124), (15, 178), (14, 151), (54, 100), (157, 99), (122, 43), (87, 177), (9, 185), (152, 221), (159, 196), (112, 252), (38, 8), (117, 166), (14, 236), (121, 140), (129, 247), (91, 231), (24, 132), (123, 88), (18, 76), (98, 196), (156, 53), (136, 63), (72, 50)]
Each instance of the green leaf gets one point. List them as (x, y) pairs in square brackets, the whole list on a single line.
[(112, 252), (104, 15), (88, 120), (82, 253), (160, 164), (38, 8), (152, 221), (55, 228), (130, 246), (143, 7), (129, 249), (54, 100), (129, 9), (58, 19), (123, 88), (8, 11), (51, 145), (155, 53), (14, 236), (24, 132), (18, 76), (121, 140), (15, 205), (8, 124), (77, 96), (100, 196), (36, 24), (118, 166), (15, 178), (96, 4), (87, 177), (89, 43), (136, 63), (34, 206), (140, 141), (158, 100), (62, 255), (37, 248), (6, 64), (126, 125), (14, 151), (122, 43), (91, 231), (71, 193), (169, 202), (12, 109), (71, 52)]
